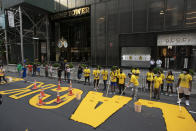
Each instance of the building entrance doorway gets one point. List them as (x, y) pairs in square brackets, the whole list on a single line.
[(175, 57), (77, 34)]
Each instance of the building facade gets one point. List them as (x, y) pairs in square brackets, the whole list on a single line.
[(123, 32)]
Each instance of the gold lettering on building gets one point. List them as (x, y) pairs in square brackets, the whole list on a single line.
[(75, 12)]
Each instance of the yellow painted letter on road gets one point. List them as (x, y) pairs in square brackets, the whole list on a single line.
[(95, 109), (52, 103), (22, 92), (174, 119)]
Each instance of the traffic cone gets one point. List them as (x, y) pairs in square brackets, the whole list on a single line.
[(40, 103), (59, 86), (35, 86), (58, 100), (42, 93), (70, 90)]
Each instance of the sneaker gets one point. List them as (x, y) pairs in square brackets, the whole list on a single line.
[(166, 94), (179, 101), (114, 93), (187, 103)]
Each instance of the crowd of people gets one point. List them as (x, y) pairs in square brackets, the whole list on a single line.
[(116, 79), (155, 81)]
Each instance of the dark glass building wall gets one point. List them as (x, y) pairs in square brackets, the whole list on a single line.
[(113, 18)]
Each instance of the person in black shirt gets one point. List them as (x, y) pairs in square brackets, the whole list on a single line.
[(59, 74), (80, 70), (34, 69)]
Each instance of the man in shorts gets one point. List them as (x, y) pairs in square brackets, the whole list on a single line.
[(184, 86)]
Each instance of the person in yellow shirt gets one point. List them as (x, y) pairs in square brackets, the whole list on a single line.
[(149, 78), (87, 73), (96, 75), (133, 71), (104, 74), (157, 84), (117, 73), (163, 78), (2, 74), (169, 81), (135, 82), (184, 86), (137, 73), (113, 80), (121, 81)]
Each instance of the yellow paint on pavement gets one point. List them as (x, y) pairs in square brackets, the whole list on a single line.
[(88, 113), (174, 119), (22, 92), (52, 104)]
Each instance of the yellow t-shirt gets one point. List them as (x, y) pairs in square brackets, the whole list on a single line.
[(185, 79), (118, 71), (104, 74), (113, 76), (157, 82), (121, 78), (87, 72), (149, 76), (133, 71), (134, 80), (170, 79), (162, 76), (96, 74)]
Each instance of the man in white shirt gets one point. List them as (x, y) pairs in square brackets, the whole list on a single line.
[(152, 63), (159, 63)]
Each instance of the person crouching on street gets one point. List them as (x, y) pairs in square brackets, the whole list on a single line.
[(157, 85), (121, 82), (135, 82), (184, 86)]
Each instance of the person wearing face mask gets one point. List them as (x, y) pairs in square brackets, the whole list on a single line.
[(184, 86), (157, 84)]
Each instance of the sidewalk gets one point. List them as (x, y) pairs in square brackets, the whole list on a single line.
[(12, 68)]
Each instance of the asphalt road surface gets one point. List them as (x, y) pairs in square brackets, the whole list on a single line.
[(19, 115)]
